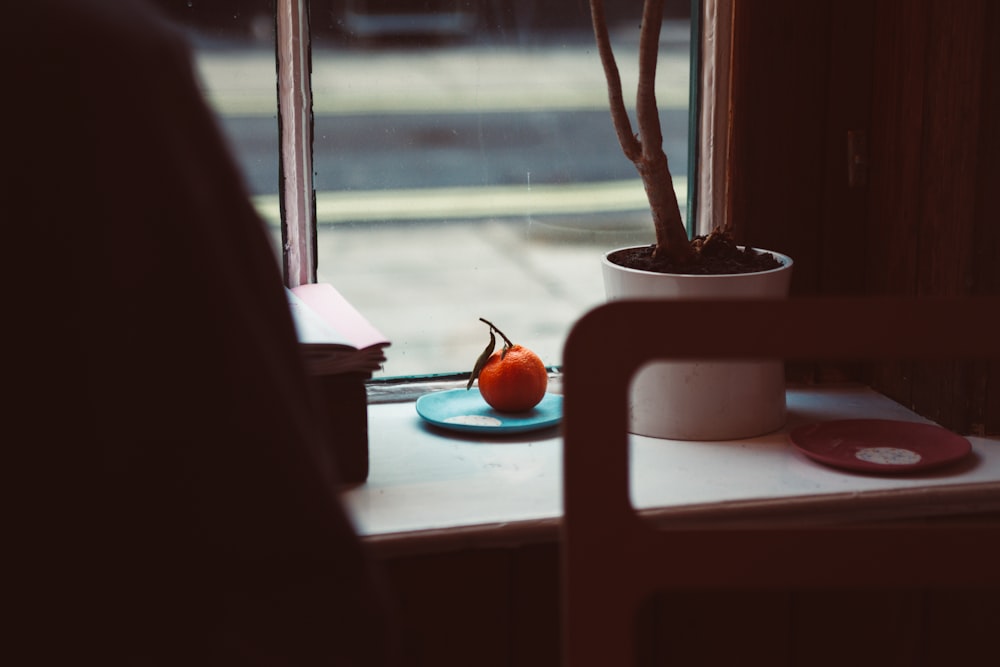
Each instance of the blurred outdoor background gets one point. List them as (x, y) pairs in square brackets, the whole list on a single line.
[(465, 162)]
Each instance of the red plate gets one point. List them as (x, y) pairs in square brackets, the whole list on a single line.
[(879, 445)]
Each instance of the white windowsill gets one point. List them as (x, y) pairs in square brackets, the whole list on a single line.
[(431, 490)]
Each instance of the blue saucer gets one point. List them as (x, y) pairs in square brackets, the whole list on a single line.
[(465, 410)]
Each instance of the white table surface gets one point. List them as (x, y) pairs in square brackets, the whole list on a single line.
[(439, 486)]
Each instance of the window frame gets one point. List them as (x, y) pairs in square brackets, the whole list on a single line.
[(710, 194), (296, 193)]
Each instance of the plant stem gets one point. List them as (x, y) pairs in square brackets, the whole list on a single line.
[(647, 114), (493, 327), (646, 150), (623, 126)]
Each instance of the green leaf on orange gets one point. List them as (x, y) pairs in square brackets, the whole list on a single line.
[(481, 361)]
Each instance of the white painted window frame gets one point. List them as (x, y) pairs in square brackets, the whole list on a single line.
[(295, 120)]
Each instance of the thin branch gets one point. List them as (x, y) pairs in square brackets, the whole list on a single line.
[(646, 150), (619, 116), (647, 113)]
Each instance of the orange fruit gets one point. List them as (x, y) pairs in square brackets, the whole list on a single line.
[(513, 379)]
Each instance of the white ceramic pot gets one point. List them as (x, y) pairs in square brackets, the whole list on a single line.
[(723, 400)]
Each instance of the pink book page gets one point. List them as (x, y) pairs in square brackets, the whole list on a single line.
[(331, 305)]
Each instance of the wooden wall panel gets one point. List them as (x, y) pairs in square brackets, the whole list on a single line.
[(950, 160), (897, 125), (920, 78), (857, 628), (959, 628), (500, 607), (535, 606), (718, 628), (949, 151), (780, 68), (842, 229), (454, 608), (485, 607), (802, 80), (985, 380), (931, 69)]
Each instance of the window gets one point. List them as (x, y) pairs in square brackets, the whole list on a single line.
[(464, 161)]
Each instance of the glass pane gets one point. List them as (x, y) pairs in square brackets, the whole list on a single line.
[(233, 41), (466, 166), (465, 161)]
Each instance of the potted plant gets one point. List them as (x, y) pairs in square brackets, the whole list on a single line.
[(686, 400)]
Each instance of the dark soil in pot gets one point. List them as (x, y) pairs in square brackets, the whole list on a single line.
[(715, 254)]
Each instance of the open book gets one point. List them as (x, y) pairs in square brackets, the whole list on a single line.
[(334, 336)]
